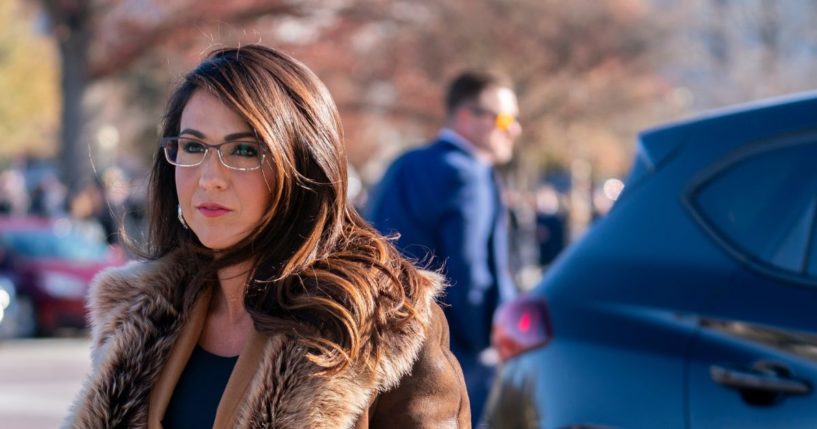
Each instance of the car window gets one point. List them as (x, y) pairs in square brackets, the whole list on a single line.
[(763, 204)]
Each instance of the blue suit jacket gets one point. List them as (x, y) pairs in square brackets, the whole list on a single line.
[(446, 204)]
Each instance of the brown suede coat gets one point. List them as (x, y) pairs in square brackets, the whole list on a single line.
[(141, 343)]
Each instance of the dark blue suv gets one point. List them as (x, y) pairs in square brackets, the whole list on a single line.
[(693, 304)]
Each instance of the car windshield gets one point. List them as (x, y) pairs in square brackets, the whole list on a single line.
[(71, 246)]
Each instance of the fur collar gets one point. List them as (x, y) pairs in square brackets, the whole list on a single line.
[(135, 323)]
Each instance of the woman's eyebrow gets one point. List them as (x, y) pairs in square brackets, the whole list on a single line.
[(193, 132), (228, 137), (241, 135)]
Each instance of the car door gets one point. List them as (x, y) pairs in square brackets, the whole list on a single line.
[(753, 363)]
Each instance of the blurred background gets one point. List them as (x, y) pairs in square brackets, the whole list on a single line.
[(84, 82)]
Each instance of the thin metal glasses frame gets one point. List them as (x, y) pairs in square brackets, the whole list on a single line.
[(166, 141)]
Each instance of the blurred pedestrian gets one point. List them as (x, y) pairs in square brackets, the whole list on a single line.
[(267, 301), (445, 202), (48, 197), (14, 198), (116, 190), (551, 224), (89, 211)]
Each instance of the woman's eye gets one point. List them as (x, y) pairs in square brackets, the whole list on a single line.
[(245, 150), (193, 147)]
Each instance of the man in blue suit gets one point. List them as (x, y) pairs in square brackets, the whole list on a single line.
[(445, 202)]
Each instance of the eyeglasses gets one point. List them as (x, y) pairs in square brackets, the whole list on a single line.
[(503, 121), (235, 155)]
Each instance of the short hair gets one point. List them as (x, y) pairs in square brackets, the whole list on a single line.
[(467, 87)]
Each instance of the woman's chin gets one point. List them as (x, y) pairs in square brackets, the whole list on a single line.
[(217, 244), (219, 241)]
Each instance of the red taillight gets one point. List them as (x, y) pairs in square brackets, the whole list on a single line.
[(519, 326)]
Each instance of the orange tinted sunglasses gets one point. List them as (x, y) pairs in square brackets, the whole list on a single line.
[(503, 121)]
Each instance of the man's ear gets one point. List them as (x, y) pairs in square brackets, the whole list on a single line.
[(461, 116)]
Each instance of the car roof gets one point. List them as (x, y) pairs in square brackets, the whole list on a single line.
[(730, 126), (767, 106)]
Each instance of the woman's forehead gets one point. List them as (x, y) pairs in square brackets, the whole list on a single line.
[(206, 116)]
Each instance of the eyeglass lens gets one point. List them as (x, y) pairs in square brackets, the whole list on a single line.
[(503, 121), (237, 155)]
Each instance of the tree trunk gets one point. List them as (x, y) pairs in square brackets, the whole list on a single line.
[(75, 166)]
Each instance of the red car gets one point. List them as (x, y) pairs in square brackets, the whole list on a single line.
[(52, 262)]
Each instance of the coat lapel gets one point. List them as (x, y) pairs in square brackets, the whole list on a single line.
[(243, 378), (172, 370)]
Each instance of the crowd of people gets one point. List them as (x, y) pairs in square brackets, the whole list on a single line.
[(31, 187)]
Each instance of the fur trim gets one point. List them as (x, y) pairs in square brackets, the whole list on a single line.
[(135, 322)]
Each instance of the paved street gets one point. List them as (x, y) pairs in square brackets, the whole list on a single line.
[(39, 379)]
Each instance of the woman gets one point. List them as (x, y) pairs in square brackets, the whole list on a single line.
[(266, 301)]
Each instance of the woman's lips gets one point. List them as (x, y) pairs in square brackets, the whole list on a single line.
[(212, 210)]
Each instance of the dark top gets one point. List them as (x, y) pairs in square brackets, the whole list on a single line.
[(198, 392)]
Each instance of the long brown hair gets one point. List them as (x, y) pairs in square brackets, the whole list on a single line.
[(319, 270)]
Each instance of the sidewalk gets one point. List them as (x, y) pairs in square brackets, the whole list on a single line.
[(38, 380)]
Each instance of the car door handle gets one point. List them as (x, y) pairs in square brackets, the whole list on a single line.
[(757, 379)]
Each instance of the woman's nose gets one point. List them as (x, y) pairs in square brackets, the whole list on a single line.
[(212, 174)]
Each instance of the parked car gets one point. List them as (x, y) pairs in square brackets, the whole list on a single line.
[(51, 264), (8, 307), (693, 303)]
